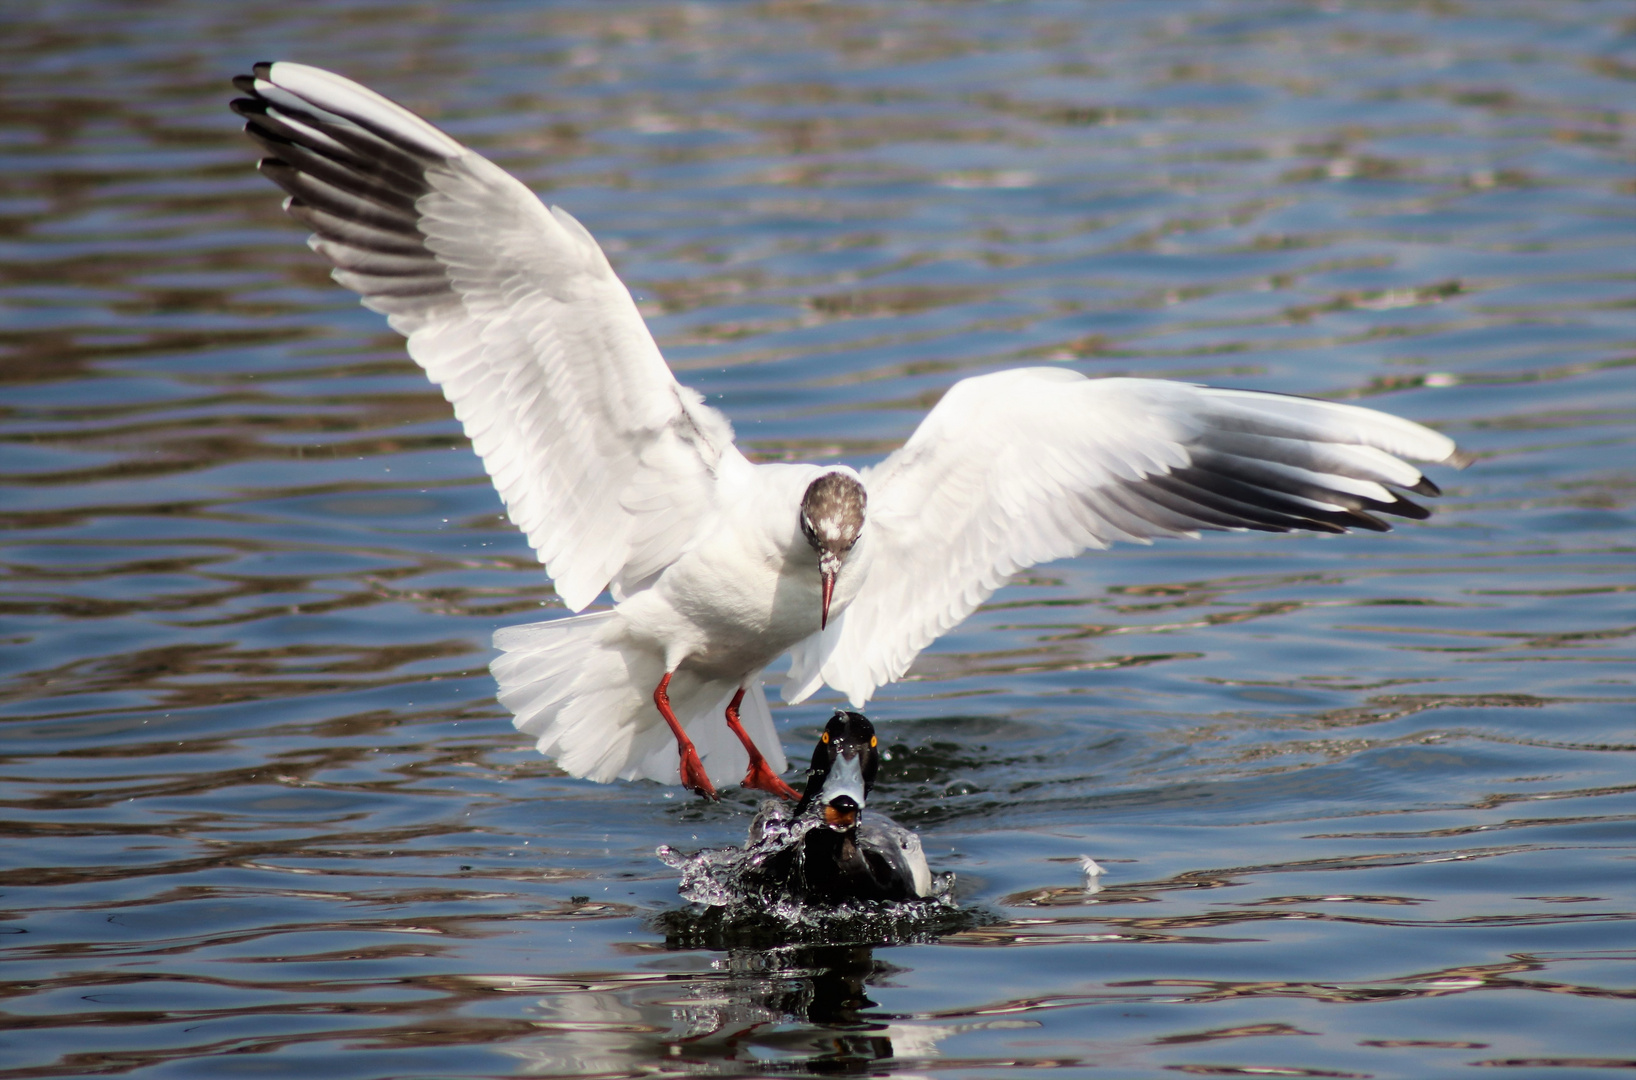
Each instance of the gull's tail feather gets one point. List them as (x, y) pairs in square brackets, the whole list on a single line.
[(584, 690)]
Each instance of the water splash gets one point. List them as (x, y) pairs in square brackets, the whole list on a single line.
[(742, 886)]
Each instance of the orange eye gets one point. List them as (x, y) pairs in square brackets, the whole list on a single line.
[(825, 737), (873, 740)]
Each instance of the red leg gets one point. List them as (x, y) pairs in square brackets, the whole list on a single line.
[(694, 777), (761, 774)]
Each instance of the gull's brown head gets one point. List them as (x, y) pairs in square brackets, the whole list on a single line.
[(831, 520)]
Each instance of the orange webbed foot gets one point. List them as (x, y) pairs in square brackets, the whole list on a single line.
[(694, 778), (762, 777)]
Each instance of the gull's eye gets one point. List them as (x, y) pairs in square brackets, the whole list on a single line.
[(872, 742), (825, 737)]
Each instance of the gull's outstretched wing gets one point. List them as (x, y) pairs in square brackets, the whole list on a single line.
[(1024, 466), (604, 460)]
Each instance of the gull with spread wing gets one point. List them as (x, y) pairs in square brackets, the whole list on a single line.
[(624, 480)]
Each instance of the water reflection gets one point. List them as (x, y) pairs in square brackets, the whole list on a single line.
[(756, 1009)]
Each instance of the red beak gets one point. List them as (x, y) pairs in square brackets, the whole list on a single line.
[(829, 591)]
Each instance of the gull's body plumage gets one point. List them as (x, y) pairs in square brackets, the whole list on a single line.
[(624, 480)]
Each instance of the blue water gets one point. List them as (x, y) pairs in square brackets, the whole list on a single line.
[(1365, 803)]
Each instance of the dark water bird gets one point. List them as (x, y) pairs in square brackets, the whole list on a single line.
[(852, 855), (624, 480), (830, 852)]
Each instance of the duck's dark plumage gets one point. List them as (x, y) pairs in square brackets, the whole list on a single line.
[(844, 856)]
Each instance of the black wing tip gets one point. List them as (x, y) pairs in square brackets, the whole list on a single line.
[(1245, 506), (263, 68), (1405, 508), (1425, 487), (1361, 520), (244, 84), (269, 140), (1398, 507), (1270, 509), (249, 108)]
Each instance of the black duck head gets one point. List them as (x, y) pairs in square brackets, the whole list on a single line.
[(843, 770)]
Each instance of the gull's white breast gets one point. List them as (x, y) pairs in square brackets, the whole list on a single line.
[(747, 587)]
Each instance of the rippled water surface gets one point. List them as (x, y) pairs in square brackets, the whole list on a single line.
[(1365, 803)]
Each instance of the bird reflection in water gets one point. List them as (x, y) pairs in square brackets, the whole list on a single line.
[(802, 1008), (816, 984)]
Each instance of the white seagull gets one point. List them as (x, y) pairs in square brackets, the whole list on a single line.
[(624, 480)]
